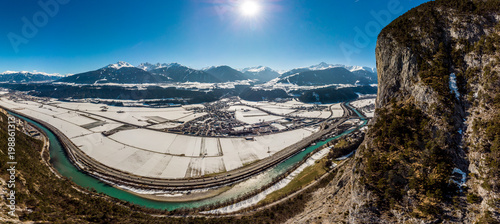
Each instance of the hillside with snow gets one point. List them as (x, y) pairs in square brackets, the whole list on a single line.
[(26, 77)]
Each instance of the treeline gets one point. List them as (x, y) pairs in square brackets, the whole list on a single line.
[(181, 96), (119, 93), (263, 95), (344, 147), (334, 95)]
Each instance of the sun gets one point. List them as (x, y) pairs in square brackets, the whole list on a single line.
[(249, 8)]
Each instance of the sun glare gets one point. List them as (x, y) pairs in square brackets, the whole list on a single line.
[(250, 8)]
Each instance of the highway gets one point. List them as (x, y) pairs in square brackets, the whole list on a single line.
[(94, 168)]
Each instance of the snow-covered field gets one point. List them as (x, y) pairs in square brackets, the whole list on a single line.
[(288, 104), (75, 118), (363, 106), (335, 108), (251, 115), (179, 85), (281, 184), (288, 87), (291, 107), (152, 153), (133, 115), (212, 154), (106, 127), (165, 125), (277, 109), (50, 116), (362, 103)]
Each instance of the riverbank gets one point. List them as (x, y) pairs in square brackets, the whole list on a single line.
[(62, 164), (181, 197)]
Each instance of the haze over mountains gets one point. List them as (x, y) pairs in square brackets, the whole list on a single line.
[(24, 76), (261, 73), (148, 73)]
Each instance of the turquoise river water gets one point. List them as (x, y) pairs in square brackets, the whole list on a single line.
[(62, 164)]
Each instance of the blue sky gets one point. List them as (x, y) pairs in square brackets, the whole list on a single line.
[(72, 36)]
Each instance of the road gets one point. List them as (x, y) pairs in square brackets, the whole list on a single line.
[(94, 168)]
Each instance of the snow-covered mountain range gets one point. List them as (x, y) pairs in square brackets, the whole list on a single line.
[(24, 76), (120, 65), (150, 67), (324, 66), (123, 72)]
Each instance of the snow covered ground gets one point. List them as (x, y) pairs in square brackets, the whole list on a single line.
[(281, 184), (313, 114), (363, 103), (288, 104), (291, 107), (165, 125), (132, 115), (50, 116), (277, 109), (75, 118), (367, 106), (335, 108), (251, 115), (197, 86), (152, 153), (209, 155), (288, 87)]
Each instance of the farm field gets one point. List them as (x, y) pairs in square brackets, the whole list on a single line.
[(367, 106), (144, 150)]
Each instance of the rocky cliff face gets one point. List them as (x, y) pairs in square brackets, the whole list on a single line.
[(433, 149)]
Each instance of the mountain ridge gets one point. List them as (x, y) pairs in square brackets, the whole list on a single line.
[(24, 76), (226, 73), (262, 73), (120, 72), (174, 72), (327, 75)]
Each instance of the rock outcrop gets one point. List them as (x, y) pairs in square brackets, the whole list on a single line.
[(432, 153)]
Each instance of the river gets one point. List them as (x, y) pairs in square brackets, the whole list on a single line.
[(62, 164)]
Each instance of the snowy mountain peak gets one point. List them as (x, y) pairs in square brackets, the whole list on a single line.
[(256, 69), (356, 68), (119, 65), (149, 67), (174, 64), (31, 73), (324, 65), (360, 68), (214, 67)]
